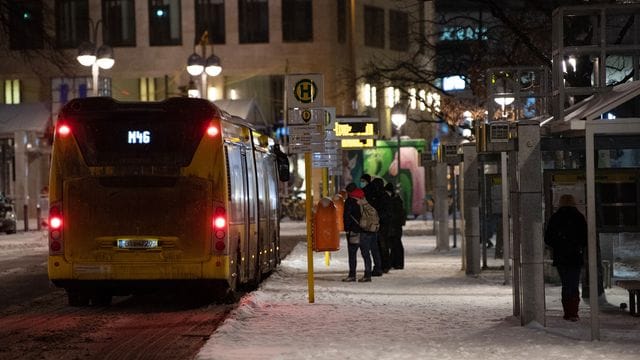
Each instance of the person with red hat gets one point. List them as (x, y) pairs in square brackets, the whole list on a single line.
[(356, 236)]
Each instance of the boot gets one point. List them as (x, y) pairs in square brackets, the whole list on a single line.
[(571, 313), (565, 308)]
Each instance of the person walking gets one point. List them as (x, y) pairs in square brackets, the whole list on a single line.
[(356, 236), (566, 235), (397, 219)]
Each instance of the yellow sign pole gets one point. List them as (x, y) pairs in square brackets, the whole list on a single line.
[(307, 177), (325, 192)]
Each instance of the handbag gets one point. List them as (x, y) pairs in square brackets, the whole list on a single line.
[(353, 238)]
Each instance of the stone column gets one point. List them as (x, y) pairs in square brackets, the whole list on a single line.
[(442, 207), (471, 209), (530, 226)]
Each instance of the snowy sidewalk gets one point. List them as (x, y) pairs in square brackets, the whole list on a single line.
[(429, 310)]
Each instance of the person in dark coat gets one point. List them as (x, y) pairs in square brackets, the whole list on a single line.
[(566, 235), (351, 218), (397, 219), (381, 201), (372, 192)]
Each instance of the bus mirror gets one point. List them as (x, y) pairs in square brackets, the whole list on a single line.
[(283, 168), (283, 163)]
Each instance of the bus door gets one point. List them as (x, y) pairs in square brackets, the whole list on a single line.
[(252, 222), (239, 210)]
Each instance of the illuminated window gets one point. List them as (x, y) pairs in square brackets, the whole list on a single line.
[(12, 92), (147, 89), (422, 94), (389, 98), (412, 98), (453, 83), (369, 94), (396, 96)]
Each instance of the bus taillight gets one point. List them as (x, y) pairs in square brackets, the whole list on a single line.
[(63, 130), (219, 224), (212, 130), (55, 229)]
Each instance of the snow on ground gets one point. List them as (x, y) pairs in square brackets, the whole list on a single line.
[(429, 310)]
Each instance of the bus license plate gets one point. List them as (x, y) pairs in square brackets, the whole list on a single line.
[(137, 244)]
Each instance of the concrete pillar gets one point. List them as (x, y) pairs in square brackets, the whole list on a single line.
[(471, 209), (442, 207), (21, 195), (530, 227)]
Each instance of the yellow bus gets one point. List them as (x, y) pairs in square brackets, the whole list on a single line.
[(159, 195)]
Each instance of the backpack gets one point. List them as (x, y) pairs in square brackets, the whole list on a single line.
[(369, 221)]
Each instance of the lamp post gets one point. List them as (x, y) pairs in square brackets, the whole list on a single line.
[(96, 58), (198, 66), (398, 118)]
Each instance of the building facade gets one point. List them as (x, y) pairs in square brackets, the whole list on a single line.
[(257, 41)]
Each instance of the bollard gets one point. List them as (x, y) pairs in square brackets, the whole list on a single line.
[(326, 236), (38, 215), (25, 210)]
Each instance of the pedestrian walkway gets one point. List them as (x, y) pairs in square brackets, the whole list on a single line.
[(429, 310)]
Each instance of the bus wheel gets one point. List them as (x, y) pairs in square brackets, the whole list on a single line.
[(77, 298), (101, 299)]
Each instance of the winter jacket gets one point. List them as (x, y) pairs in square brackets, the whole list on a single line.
[(566, 235), (351, 214), (397, 217)]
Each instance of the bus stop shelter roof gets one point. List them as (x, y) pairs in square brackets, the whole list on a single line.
[(595, 105)]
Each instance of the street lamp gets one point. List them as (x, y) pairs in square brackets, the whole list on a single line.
[(398, 118), (198, 66), (96, 59)]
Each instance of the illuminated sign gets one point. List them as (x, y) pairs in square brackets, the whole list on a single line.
[(139, 137), (356, 134)]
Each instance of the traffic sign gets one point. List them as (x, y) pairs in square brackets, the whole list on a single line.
[(304, 90)]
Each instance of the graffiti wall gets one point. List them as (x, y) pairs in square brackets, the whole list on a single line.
[(382, 162)]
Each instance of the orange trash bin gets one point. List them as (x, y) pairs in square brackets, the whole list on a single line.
[(326, 236)]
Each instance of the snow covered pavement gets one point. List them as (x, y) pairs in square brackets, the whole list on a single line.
[(428, 310)]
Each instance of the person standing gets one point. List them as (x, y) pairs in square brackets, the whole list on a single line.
[(397, 219), (566, 235), (351, 218), (372, 192), (381, 202)]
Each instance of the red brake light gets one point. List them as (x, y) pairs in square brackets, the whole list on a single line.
[(63, 130), (219, 222), (212, 130), (55, 222)]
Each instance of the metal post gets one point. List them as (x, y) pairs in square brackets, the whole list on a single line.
[(512, 168), (506, 246), (454, 205), (398, 176)]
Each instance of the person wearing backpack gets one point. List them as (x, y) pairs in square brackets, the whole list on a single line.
[(566, 235), (352, 217)]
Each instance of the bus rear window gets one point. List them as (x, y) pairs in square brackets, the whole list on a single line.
[(137, 137)]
